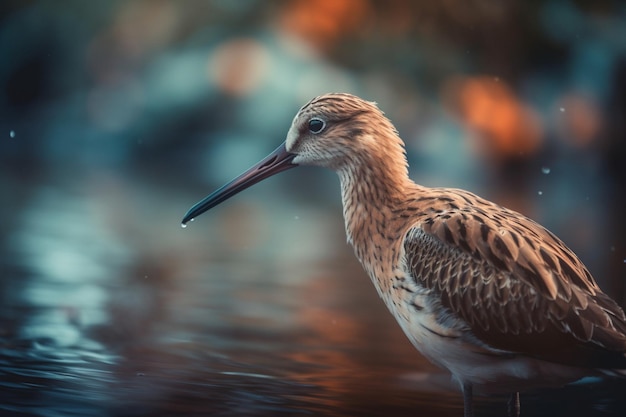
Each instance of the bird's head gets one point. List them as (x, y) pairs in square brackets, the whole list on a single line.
[(338, 131)]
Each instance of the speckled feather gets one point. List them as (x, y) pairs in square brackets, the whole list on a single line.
[(517, 286)]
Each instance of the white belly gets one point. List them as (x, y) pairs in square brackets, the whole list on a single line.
[(447, 342)]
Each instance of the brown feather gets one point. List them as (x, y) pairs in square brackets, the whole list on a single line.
[(524, 292)]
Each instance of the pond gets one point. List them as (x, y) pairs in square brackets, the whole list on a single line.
[(258, 308)]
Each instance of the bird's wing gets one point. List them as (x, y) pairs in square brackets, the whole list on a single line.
[(519, 288)]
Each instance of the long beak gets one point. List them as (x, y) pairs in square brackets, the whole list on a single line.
[(277, 161)]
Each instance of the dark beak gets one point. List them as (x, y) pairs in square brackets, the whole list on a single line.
[(277, 161)]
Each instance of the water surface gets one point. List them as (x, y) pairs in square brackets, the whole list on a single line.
[(109, 308)]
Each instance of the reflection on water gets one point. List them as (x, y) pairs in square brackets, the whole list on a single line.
[(109, 308)]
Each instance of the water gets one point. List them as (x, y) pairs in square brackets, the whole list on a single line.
[(108, 309)]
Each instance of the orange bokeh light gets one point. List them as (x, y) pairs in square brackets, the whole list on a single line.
[(489, 106), (579, 120), (239, 66), (322, 22)]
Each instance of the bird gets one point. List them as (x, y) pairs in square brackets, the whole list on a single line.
[(479, 289)]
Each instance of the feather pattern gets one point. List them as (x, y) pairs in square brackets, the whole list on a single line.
[(518, 287)]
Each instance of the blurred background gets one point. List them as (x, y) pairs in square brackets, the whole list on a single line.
[(117, 116)]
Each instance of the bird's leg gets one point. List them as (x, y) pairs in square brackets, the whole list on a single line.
[(468, 401), (514, 405)]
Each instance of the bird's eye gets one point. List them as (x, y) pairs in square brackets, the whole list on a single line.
[(316, 125)]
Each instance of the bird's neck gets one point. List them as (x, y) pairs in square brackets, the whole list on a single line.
[(370, 193)]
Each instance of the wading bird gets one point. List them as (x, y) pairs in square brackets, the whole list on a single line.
[(479, 289)]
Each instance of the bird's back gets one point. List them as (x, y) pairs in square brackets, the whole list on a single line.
[(499, 283)]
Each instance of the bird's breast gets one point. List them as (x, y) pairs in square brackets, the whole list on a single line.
[(447, 341)]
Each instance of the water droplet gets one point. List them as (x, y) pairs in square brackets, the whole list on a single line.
[(545, 170), (183, 225), (12, 133), (540, 192)]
